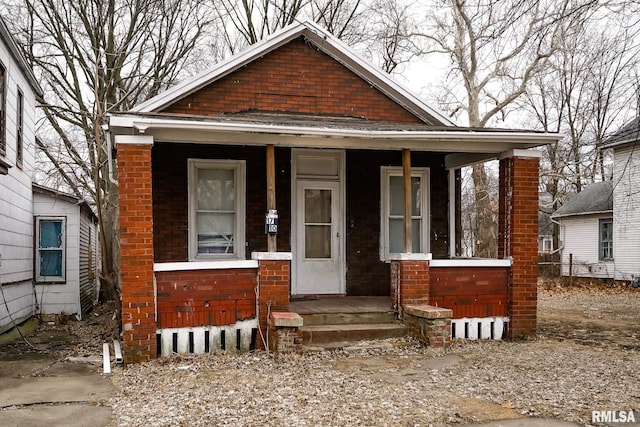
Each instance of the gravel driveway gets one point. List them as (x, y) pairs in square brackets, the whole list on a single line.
[(585, 358)]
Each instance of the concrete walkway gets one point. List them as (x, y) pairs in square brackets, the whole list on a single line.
[(37, 390)]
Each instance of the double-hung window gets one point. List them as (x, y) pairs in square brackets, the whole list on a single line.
[(392, 211), (50, 251), (216, 209), (606, 239)]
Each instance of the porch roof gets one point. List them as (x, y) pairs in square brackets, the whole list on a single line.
[(465, 145)]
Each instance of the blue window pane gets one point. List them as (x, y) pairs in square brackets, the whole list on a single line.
[(51, 263), (50, 234)]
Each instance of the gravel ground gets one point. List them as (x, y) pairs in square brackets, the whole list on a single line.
[(585, 358), (561, 374)]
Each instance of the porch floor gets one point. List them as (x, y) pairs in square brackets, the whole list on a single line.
[(340, 305)]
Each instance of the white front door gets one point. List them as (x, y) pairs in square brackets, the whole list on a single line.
[(317, 222), (319, 248)]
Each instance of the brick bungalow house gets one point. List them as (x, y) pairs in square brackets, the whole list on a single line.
[(285, 171)]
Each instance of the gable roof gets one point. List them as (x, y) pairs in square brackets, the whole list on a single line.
[(69, 198), (596, 198), (322, 40), (628, 133), (19, 58)]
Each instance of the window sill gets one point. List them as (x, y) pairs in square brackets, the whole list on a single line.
[(204, 265), (4, 167)]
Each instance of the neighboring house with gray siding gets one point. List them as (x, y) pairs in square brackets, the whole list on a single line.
[(19, 92), (66, 248), (586, 232)]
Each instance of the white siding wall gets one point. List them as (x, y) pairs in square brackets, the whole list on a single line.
[(61, 298), (626, 211), (16, 215), (580, 236)]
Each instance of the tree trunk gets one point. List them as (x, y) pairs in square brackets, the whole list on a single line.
[(486, 244)]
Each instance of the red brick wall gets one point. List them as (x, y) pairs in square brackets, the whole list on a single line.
[(469, 291), (136, 252), (296, 78), (414, 282), (205, 297), (518, 238), (274, 278)]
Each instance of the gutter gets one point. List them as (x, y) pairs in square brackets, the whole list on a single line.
[(144, 124)]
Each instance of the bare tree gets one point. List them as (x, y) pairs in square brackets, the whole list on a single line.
[(94, 57), (496, 48), (586, 92)]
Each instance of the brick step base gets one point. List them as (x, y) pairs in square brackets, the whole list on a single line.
[(317, 335), (317, 319)]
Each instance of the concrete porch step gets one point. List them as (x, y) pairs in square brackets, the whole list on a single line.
[(316, 319), (321, 334)]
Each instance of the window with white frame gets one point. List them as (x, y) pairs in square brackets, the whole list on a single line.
[(50, 249), (392, 211), (216, 209), (606, 239)]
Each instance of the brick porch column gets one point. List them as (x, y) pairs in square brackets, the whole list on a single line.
[(274, 283), (410, 281), (518, 238), (136, 247)]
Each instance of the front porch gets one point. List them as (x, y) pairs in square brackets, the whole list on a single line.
[(368, 198)]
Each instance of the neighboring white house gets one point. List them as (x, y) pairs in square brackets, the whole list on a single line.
[(586, 233), (18, 93), (66, 253), (626, 200), (600, 227)]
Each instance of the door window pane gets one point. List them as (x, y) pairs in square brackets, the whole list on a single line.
[(317, 206), (317, 216)]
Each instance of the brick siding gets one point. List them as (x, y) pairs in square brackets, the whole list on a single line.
[(518, 238), (205, 297), (136, 252), (470, 292), (295, 78)]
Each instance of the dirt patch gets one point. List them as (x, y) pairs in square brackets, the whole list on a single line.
[(597, 315)]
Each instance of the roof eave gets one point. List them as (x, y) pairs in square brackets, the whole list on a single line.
[(608, 211), (19, 58), (218, 132)]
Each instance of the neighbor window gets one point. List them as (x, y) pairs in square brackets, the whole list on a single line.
[(3, 108), (606, 239), (392, 211), (20, 130), (216, 209), (50, 251)]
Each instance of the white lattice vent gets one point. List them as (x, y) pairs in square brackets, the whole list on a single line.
[(474, 328), (205, 339)]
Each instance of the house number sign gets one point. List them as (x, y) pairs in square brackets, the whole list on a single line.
[(271, 222)]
